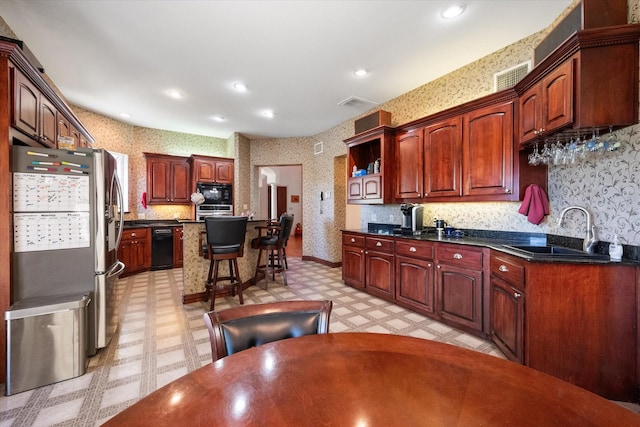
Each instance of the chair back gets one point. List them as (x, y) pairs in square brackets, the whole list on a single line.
[(286, 224), (226, 233), (239, 328)]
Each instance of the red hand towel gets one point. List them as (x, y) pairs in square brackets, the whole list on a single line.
[(144, 200), (535, 204)]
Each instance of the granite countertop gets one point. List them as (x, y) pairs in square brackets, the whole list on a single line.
[(503, 242)]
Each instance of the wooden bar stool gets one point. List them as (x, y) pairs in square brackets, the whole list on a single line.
[(272, 239), (225, 241)]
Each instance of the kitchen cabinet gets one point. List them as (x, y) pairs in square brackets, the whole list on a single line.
[(572, 90), (135, 250), (178, 246), (168, 179), (364, 188), (429, 161), (459, 286), (211, 169), (33, 113), (507, 302), (414, 276), (353, 260), (363, 150), (379, 276), (487, 154), (65, 128)]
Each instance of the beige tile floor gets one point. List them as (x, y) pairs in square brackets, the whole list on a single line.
[(160, 339)]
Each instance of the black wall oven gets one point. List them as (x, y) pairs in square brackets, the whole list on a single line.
[(215, 194)]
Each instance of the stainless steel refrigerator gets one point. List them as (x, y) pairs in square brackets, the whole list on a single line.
[(67, 225)]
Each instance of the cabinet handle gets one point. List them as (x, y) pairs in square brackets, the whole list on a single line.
[(353, 240), (439, 266), (378, 244), (517, 295), (457, 256), (133, 234), (503, 268), (412, 249), (507, 190), (429, 265)]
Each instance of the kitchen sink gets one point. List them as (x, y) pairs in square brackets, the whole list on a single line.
[(555, 252)]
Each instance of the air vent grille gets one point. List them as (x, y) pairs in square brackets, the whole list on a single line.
[(509, 77), (357, 102)]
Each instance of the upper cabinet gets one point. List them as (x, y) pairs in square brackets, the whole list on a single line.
[(365, 151), (33, 113), (211, 169), (590, 82), (168, 179)]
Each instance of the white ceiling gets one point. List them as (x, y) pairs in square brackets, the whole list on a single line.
[(296, 57)]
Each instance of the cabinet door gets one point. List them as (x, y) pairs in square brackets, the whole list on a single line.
[(443, 159), (557, 93), (204, 171), (224, 172), (409, 167), (372, 187), (181, 184), (530, 114), (139, 260), (353, 266), (125, 254), (25, 114), (488, 151), (414, 284), (158, 181), (379, 274), (459, 295), (354, 188), (507, 319), (48, 122)]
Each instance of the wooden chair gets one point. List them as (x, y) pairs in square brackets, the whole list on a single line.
[(225, 241), (239, 328), (272, 239)]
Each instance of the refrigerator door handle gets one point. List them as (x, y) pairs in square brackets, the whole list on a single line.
[(120, 208), (115, 269)]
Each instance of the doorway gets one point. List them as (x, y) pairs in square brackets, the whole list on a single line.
[(281, 201)]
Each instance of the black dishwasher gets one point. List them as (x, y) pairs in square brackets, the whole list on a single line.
[(161, 248)]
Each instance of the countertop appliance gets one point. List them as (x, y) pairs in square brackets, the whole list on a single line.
[(67, 226), (411, 217)]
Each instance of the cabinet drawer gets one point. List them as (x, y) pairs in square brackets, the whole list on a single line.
[(423, 250), (459, 255), (135, 233), (380, 245), (353, 240), (507, 268)]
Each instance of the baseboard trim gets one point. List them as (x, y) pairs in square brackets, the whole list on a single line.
[(322, 261)]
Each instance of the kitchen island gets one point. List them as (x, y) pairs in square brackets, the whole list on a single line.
[(196, 267)]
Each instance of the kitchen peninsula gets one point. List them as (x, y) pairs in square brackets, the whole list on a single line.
[(196, 267)]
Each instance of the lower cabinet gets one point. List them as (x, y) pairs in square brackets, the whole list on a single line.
[(177, 247), (135, 250), (459, 286), (353, 260), (414, 276), (379, 263)]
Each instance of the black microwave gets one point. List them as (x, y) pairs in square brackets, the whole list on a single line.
[(215, 194)]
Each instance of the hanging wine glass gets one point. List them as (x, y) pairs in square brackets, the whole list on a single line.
[(613, 144)]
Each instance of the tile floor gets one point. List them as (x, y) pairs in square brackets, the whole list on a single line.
[(160, 340)]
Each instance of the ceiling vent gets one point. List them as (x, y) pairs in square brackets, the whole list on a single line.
[(508, 78), (357, 102)]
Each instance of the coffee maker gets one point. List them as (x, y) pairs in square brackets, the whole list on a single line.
[(411, 217)]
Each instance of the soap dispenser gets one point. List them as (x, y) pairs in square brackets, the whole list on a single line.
[(615, 249)]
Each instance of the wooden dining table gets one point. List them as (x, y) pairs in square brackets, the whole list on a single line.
[(369, 379)]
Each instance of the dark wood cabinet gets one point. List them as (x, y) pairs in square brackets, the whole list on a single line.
[(353, 268), (33, 113), (459, 286), (487, 154), (168, 179), (548, 105), (379, 262), (364, 189), (178, 247), (364, 150), (211, 169), (414, 276), (135, 250), (507, 302), (409, 167)]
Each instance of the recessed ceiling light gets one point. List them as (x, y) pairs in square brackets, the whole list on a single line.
[(240, 87), (175, 94), (453, 11), (361, 72), (219, 118), (125, 115), (268, 114)]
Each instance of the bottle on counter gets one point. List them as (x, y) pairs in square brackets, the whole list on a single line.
[(615, 249)]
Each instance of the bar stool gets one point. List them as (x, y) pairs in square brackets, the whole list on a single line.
[(225, 241), (272, 242)]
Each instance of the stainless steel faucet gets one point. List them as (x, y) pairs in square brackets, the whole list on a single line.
[(590, 240)]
